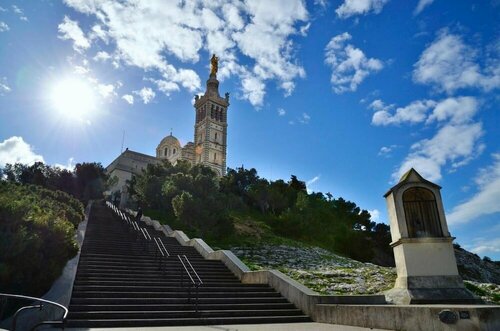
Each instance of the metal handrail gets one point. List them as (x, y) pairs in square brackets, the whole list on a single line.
[(192, 268), (185, 269), (161, 246), (40, 306), (195, 284)]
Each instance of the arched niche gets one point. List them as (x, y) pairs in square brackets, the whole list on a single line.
[(421, 213)]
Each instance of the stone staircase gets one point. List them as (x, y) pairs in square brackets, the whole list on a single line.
[(121, 281)]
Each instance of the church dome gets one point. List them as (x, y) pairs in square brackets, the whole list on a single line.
[(170, 140), (169, 148)]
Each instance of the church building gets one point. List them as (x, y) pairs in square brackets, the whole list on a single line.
[(210, 139)]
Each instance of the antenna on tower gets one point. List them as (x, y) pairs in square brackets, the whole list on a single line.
[(123, 139)]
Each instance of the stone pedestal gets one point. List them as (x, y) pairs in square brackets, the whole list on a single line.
[(423, 247)]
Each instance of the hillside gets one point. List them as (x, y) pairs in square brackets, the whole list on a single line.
[(315, 238), (328, 273)]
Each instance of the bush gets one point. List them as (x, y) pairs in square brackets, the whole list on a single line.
[(37, 229)]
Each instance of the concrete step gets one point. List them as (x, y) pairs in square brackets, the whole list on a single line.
[(180, 306), (176, 300), (169, 263), (165, 276), (162, 283), (191, 313), (119, 283), (187, 321), (175, 293), (151, 272), (176, 288)]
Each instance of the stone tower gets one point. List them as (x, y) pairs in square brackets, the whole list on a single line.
[(210, 129)]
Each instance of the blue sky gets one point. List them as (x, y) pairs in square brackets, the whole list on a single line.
[(347, 95)]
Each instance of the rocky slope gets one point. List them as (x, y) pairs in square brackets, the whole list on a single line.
[(473, 268), (328, 273)]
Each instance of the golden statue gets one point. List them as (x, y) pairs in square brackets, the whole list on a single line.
[(214, 65)]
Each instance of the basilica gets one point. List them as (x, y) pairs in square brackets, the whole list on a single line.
[(208, 148)]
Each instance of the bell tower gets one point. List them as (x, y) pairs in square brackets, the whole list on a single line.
[(210, 129)]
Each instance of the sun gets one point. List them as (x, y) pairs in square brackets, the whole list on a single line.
[(73, 98)]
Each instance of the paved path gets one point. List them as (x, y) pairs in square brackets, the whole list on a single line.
[(245, 327)]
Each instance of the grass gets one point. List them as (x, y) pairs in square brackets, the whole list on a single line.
[(484, 292)]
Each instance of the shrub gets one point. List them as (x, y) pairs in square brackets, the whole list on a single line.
[(37, 229)]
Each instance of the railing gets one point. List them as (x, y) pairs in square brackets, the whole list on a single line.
[(38, 305), (143, 235), (162, 252), (196, 282)]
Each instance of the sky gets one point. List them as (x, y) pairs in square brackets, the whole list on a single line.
[(346, 94)]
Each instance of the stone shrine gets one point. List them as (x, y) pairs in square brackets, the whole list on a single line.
[(423, 247)]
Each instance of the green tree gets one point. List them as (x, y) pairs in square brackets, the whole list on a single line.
[(90, 180)]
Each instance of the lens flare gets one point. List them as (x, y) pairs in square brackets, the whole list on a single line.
[(73, 98)]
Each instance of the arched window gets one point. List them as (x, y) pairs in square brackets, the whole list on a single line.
[(166, 151), (173, 151), (216, 136), (215, 157), (422, 217)]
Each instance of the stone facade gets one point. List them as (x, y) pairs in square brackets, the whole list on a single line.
[(209, 147)]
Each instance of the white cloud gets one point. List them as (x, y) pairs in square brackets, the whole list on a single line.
[(19, 12), (311, 181), (485, 201), (485, 246), (106, 90), (455, 110), (70, 166), (4, 27), (421, 5), (321, 3), (81, 70), (378, 105), (148, 33), (166, 86), (102, 56), (415, 112), (375, 215), (349, 65), (253, 90), (358, 7), (455, 144), (449, 64), (128, 98), (387, 150), (69, 30), (4, 87), (16, 150), (305, 118), (146, 94), (281, 112), (98, 32), (188, 78)]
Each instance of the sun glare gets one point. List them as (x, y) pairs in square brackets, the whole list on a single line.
[(73, 98)]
